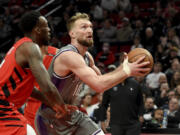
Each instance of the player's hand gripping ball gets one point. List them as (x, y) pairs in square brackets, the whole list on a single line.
[(136, 53)]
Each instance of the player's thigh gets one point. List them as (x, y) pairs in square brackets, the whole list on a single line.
[(30, 130)]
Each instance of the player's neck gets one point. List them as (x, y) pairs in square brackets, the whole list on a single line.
[(82, 49), (33, 38)]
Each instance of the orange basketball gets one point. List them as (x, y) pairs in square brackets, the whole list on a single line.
[(136, 53)]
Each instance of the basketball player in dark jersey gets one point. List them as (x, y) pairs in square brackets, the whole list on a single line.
[(21, 66), (73, 65)]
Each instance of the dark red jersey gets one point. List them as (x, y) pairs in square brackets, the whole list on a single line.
[(16, 83)]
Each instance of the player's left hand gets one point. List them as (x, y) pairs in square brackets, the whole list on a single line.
[(61, 111), (65, 118)]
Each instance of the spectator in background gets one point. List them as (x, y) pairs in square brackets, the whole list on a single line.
[(172, 54), (162, 99), (137, 43), (136, 15), (156, 24), (157, 119), (97, 11), (159, 15), (137, 29), (110, 5), (119, 19), (177, 90), (162, 79), (150, 41), (105, 56), (86, 102), (124, 5), (149, 108), (152, 79), (124, 34), (168, 25), (108, 32), (171, 10), (171, 94), (157, 92), (175, 80), (172, 37), (159, 54), (94, 110), (173, 113), (175, 66)]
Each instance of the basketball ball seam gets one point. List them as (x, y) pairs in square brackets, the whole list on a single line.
[(138, 55)]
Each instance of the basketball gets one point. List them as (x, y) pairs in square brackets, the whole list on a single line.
[(136, 53)]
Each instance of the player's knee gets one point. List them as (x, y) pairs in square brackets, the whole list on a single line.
[(99, 132), (30, 130)]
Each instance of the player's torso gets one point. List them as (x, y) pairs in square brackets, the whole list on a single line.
[(16, 83), (70, 85)]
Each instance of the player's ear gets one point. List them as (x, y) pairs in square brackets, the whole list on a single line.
[(71, 34), (37, 30)]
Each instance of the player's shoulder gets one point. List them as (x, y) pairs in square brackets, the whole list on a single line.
[(71, 59), (70, 55), (29, 45), (29, 49), (68, 49)]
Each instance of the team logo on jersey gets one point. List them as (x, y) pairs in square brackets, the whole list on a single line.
[(131, 89), (115, 88)]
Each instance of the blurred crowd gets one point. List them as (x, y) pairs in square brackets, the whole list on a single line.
[(119, 26)]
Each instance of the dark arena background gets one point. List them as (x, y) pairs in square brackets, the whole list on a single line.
[(119, 26)]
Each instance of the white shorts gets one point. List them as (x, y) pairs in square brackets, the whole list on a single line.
[(30, 130)]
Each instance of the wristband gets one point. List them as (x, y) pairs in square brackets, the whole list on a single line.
[(126, 68)]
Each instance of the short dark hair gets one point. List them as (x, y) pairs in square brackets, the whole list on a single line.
[(29, 21)]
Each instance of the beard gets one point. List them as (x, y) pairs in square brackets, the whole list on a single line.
[(86, 43)]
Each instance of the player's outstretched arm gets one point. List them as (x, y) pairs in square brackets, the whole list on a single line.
[(33, 56), (75, 63)]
